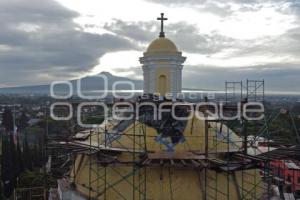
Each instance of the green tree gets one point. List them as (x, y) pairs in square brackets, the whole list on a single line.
[(7, 120), (23, 121), (20, 167), (7, 170), (27, 154), (13, 158)]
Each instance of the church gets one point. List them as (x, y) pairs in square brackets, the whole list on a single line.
[(165, 159)]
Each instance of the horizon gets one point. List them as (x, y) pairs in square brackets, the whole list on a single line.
[(184, 89)]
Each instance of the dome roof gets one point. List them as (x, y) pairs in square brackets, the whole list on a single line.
[(162, 44)]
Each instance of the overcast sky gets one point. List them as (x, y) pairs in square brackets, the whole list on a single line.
[(46, 40)]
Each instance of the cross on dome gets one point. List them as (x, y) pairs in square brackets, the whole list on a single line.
[(162, 19)]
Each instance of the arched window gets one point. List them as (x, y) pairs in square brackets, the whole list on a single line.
[(162, 87)]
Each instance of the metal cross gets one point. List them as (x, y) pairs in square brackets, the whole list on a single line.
[(162, 19)]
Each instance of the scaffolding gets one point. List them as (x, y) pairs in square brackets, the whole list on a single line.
[(255, 90), (238, 91), (233, 91), (247, 173)]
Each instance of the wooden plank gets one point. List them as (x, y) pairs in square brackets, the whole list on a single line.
[(172, 162), (195, 163), (161, 162), (175, 156), (202, 163), (146, 162), (215, 160), (288, 196), (183, 162), (217, 151)]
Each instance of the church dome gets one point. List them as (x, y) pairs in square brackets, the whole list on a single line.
[(162, 44)]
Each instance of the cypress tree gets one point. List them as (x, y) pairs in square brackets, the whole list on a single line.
[(8, 175), (35, 156), (19, 158), (23, 122), (13, 159), (4, 157), (27, 154), (7, 120), (41, 153)]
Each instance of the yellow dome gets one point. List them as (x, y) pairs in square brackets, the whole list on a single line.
[(162, 44)]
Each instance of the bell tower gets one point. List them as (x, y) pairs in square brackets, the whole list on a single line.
[(162, 65)]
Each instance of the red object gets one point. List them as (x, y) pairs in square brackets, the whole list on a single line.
[(288, 173)]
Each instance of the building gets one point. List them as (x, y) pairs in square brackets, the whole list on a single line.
[(287, 175), (165, 159)]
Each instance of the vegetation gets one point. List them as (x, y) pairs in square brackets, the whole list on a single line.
[(20, 158)]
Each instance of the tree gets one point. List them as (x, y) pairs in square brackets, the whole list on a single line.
[(20, 167), (7, 170), (13, 158), (23, 121), (35, 155), (7, 120), (27, 154)]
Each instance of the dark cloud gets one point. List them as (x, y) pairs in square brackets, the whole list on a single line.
[(139, 31), (186, 36), (217, 7), (277, 76), (196, 2), (188, 39), (40, 42), (225, 9), (284, 45), (294, 34)]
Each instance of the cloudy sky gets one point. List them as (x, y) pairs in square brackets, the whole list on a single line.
[(46, 40)]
